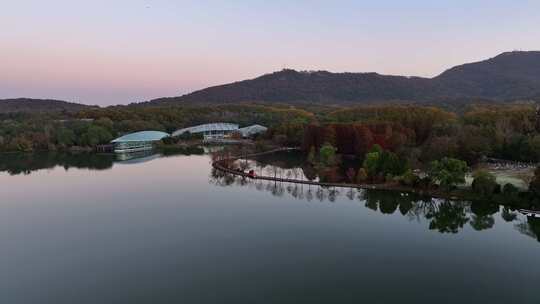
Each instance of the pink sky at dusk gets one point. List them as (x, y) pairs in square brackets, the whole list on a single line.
[(128, 51)]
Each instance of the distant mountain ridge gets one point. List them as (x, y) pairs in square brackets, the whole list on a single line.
[(29, 105), (508, 76)]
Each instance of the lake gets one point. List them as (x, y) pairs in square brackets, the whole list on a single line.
[(167, 229)]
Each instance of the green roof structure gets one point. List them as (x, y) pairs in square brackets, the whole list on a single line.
[(141, 136)]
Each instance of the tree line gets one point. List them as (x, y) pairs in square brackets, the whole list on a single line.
[(416, 133), (90, 127)]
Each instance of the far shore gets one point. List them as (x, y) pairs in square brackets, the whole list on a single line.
[(455, 194)]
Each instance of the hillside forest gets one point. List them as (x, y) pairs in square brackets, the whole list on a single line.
[(418, 134)]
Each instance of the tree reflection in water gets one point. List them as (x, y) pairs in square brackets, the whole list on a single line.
[(26, 163), (448, 216), (443, 216), (530, 226)]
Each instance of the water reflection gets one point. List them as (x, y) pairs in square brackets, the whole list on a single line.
[(129, 225), (26, 163), (137, 157), (292, 164), (448, 217), (443, 216), (530, 227)]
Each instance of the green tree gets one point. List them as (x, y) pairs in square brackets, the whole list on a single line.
[(389, 163), (510, 190), (484, 183), (448, 172), (371, 160), (383, 162), (105, 122), (21, 144), (65, 137), (371, 163), (327, 155), (96, 135)]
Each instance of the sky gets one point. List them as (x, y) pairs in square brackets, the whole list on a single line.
[(122, 51)]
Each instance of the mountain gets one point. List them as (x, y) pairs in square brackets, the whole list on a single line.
[(511, 75), (318, 86), (28, 105)]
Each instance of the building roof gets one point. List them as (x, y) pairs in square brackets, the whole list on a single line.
[(141, 136), (220, 126), (254, 129)]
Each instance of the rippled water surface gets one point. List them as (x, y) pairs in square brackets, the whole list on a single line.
[(93, 229)]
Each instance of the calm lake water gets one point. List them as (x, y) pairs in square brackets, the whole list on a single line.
[(92, 229)]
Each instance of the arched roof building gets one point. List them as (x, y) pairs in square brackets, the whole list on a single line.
[(141, 136), (252, 130), (211, 130), (137, 141)]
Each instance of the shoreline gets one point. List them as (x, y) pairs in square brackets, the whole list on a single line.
[(521, 200), (458, 195)]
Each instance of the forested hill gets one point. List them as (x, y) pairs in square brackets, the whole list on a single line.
[(28, 105), (508, 76), (293, 86)]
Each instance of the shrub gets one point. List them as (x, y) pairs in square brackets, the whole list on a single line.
[(497, 189), (190, 136), (425, 183), (330, 175), (260, 146), (379, 178), (21, 144), (169, 140), (362, 176), (409, 179), (510, 190)]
